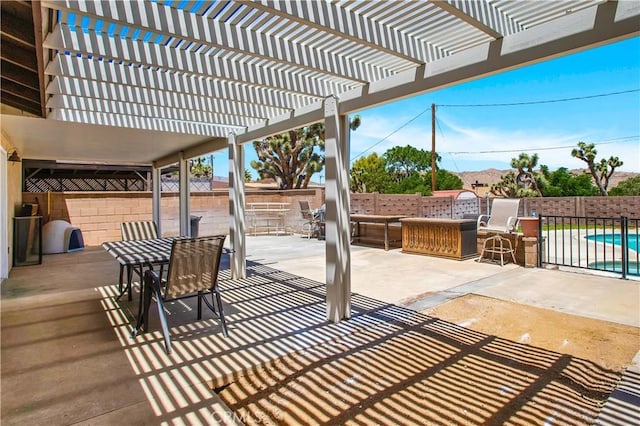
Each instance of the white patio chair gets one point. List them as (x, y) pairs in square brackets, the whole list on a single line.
[(312, 220), (503, 220)]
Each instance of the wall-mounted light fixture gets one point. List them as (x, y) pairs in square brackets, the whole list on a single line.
[(14, 157)]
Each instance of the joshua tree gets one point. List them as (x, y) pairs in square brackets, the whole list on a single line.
[(526, 177), (601, 171), (507, 187), (199, 169), (520, 183), (291, 158)]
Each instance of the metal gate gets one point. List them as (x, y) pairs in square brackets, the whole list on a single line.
[(598, 243)]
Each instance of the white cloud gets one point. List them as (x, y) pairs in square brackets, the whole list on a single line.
[(376, 128), (473, 148)]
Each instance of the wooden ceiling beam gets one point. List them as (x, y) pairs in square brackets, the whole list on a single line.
[(16, 8), (52, 164), (12, 72), (18, 53), (19, 90), (22, 66), (20, 103), (37, 32), (18, 28)]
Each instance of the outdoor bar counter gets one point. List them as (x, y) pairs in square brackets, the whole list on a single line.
[(452, 238), (374, 219)]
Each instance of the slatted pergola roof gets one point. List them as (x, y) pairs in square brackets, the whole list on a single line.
[(210, 68), (176, 79)]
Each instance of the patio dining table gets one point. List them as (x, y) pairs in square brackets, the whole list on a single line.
[(139, 253), (144, 254), (155, 251)]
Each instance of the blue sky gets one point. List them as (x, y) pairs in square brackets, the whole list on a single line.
[(474, 138)]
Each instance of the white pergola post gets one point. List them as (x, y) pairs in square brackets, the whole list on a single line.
[(338, 251), (236, 208), (156, 197), (184, 191)]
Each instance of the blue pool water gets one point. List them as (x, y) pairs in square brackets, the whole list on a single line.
[(616, 266), (632, 240)]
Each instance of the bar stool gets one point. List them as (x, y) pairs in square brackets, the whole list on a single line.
[(497, 245), (502, 221)]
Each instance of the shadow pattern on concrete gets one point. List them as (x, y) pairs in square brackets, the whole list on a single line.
[(283, 363)]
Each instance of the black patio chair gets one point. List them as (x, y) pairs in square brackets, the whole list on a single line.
[(137, 230), (193, 272)]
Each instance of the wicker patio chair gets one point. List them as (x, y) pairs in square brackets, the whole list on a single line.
[(193, 272)]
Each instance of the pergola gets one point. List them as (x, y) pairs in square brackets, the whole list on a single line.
[(162, 82)]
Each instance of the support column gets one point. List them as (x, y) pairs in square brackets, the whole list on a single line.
[(156, 197), (184, 192), (236, 208), (338, 250)]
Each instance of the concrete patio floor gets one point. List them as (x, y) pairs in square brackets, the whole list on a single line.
[(419, 282), (67, 357)]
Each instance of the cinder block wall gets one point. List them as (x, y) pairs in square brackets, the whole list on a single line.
[(578, 206), (416, 205), (99, 214)]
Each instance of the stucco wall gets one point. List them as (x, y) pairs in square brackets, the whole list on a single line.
[(14, 192), (417, 205)]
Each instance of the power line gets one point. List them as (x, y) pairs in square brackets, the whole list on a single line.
[(548, 101), (442, 153), (390, 134), (497, 151), (491, 105)]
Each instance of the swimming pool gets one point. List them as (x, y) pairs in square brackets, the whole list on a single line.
[(632, 240), (616, 266)]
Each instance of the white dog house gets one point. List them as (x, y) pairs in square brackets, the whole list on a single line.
[(59, 236)]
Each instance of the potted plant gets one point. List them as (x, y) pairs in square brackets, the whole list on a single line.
[(530, 226)]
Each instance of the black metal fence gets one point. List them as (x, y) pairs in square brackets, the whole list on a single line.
[(599, 243)]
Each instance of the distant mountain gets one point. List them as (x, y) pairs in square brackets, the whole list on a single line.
[(492, 176), (487, 177)]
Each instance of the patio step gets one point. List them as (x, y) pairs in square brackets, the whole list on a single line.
[(623, 406)]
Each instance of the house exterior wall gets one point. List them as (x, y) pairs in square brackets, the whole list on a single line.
[(13, 195)]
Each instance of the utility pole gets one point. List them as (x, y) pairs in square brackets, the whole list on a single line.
[(433, 147)]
